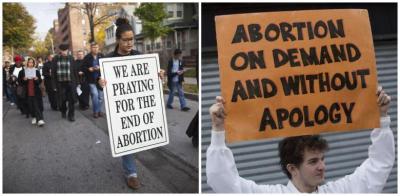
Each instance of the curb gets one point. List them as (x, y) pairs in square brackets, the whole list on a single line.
[(191, 96)]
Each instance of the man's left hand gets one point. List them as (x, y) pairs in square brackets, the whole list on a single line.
[(161, 74), (383, 101)]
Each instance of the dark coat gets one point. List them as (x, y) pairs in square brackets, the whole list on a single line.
[(74, 69), (115, 53), (47, 76), (12, 68), (24, 83), (171, 75), (11, 81), (46, 69), (87, 63), (4, 76)]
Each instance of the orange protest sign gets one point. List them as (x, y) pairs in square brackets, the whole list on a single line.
[(296, 73)]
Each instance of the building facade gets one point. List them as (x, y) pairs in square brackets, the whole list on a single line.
[(73, 28), (126, 11), (183, 20)]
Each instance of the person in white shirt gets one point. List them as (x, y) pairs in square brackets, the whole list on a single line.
[(302, 160)]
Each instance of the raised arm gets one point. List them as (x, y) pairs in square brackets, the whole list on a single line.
[(371, 176), (222, 174)]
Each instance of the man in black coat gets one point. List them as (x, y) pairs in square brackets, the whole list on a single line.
[(64, 81), (175, 79), (47, 82), (16, 86), (84, 86)]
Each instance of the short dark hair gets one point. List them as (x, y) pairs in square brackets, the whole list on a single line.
[(63, 47), (291, 149), (177, 51)]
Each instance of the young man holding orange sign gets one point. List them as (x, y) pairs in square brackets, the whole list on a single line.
[(302, 160)]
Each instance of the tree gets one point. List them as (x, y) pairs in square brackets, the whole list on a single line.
[(39, 49), (49, 40), (152, 15), (18, 26), (100, 35), (89, 10)]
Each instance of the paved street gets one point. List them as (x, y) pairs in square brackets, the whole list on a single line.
[(65, 157)]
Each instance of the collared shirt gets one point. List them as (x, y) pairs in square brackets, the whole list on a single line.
[(175, 69), (63, 69), (369, 177)]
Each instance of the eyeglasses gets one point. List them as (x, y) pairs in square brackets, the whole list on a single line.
[(127, 40)]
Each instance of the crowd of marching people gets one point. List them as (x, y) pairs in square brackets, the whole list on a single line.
[(63, 78), (66, 80)]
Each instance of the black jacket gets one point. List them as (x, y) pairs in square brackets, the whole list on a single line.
[(10, 71), (87, 63), (115, 53), (171, 75), (24, 83), (73, 69), (5, 76), (46, 69), (47, 77), (80, 67)]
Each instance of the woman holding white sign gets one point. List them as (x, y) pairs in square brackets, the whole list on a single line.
[(30, 78), (125, 42)]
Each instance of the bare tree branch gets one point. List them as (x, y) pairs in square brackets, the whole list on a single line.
[(102, 19)]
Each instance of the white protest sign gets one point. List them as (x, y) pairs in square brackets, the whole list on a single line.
[(30, 73), (134, 103)]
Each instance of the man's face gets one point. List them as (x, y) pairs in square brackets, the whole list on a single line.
[(64, 52), (178, 56), (312, 171), (50, 57), (94, 49), (80, 56), (18, 63)]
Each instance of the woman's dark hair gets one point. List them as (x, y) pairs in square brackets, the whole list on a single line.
[(291, 149), (122, 26)]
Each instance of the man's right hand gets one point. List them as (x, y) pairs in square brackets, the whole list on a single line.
[(383, 101), (218, 114), (91, 69)]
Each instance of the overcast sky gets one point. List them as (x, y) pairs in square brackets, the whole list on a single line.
[(44, 14)]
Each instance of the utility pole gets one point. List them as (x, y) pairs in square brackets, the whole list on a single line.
[(52, 45)]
